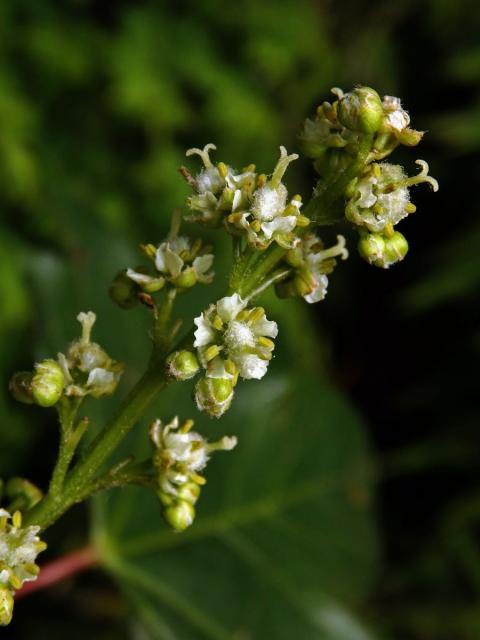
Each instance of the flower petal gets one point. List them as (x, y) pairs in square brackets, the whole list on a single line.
[(205, 333), (229, 307), (251, 366)]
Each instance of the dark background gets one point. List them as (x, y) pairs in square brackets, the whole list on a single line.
[(98, 101)]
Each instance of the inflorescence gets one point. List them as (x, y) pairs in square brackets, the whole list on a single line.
[(276, 242)]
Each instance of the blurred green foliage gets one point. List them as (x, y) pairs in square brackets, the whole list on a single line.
[(98, 101)]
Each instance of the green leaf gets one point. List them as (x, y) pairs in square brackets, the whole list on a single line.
[(283, 533)]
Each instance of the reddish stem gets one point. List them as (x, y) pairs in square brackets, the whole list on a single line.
[(57, 570)]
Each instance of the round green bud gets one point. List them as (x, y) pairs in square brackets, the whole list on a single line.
[(222, 388), (214, 395), (20, 386), (186, 279), (361, 110), (179, 515), (6, 606), (47, 383), (182, 365), (371, 247), (190, 492), (123, 291), (382, 251), (396, 248)]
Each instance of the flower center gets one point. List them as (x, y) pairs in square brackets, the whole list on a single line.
[(238, 336)]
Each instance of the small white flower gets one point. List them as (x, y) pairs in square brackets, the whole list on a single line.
[(19, 548), (177, 261), (382, 195), (182, 453), (319, 262), (229, 331), (87, 357)]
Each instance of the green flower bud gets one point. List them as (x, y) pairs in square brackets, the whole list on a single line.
[(382, 251), (47, 383), (214, 395), (371, 247), (182, 365), (123, 291), (6, 606), (190, 492), (396, 248), (186, 279), (361, 110), (179, 515), (20, 386)]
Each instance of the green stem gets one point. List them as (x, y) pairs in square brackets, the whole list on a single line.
[(83, 474), (67, 412), (161, 333)]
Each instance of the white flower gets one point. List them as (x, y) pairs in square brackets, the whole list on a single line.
[(227, 331), (177, 261), (382, 197), (19, 548), (270, 216), (319, 262), (181, 454), (209, 180), (87, 357)]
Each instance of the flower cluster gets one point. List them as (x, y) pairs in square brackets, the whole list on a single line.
[(311, 263), (178, 261), (231, 341), (19, 548), (180, 455), (379, 199), (247, 203), (337, 127), (86, 369)]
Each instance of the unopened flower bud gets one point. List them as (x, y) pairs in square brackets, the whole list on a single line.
[(214, 395), (361, 110), (47, 383), (371, 247), (179, 515), (396, 248), (190, 492), (383, 251), (20, 386), (186, 279), (6, 606), (123, 291), (182, 365)]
